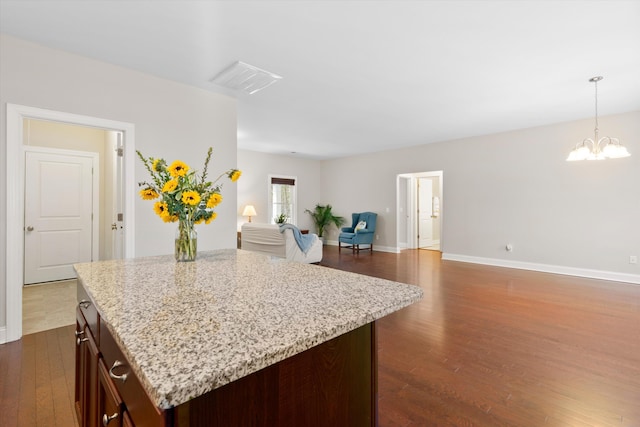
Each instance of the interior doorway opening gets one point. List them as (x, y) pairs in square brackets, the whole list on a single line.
[(419, 205), (15, 178), (105, 146)]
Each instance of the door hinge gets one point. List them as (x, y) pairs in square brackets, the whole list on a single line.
[(92, 217), (120, 151)]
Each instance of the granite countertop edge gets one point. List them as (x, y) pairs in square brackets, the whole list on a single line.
[(166, 395)]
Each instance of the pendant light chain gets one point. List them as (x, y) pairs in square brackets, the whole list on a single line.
[(596, 82)]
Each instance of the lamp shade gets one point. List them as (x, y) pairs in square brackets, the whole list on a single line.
[(614, 150), (249, 210)]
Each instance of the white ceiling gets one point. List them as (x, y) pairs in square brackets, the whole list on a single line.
[(362, 76)]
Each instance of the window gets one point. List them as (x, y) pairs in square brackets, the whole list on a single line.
[(282, 198)]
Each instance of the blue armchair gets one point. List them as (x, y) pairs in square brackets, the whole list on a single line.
[(354, 236)]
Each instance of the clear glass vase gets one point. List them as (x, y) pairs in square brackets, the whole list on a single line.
[(186, 242)]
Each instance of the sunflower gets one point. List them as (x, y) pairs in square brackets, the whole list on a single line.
[(178, 168), (148, 194), (214, 200), (211, 218), (169, 218), (170, 186), (234, 174), (191, 198), (158, 165), (161, 208)]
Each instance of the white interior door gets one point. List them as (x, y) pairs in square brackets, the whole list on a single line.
[(59, 195), (425, 219)]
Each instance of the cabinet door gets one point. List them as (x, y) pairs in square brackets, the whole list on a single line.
[(80, 370), (86, 385), (110, 407), (126, 420)]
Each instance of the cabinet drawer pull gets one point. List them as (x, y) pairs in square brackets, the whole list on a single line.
[(81, 340), (107, 419), (122, 377), (78, 333), (84, 304)]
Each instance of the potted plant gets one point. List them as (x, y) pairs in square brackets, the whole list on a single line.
[(281, 219), (322, 218)]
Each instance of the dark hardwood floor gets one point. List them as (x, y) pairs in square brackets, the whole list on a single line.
[(491, 346), (487, 346), (37, 380)]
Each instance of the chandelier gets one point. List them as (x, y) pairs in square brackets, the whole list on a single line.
[(598, 149)]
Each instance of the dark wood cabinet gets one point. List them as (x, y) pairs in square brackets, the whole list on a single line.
[(86, 383), (141, 410), (331, 384), (126, 420), (98, 402)]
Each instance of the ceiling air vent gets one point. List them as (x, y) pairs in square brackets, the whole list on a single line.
[(246, 78)]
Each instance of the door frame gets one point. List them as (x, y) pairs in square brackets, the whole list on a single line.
[(410, 231), (14, 172), (95, 190)]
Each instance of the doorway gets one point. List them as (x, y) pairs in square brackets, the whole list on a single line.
[(15, 177), (419, 220)]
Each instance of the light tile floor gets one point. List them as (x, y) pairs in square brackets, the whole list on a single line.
[(435, 247), (48, 306)]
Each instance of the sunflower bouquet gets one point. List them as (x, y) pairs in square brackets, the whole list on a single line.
[(184, 197)]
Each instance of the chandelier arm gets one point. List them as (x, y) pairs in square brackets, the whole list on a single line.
[(587, 140)]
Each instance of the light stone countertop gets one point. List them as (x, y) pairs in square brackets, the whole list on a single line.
[(188, 328)]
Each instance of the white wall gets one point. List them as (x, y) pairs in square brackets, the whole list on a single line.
[(171, 120), (254, 185), (516, 188)]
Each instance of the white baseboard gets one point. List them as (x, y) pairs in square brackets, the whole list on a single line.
[(547, 268), (3, 334)]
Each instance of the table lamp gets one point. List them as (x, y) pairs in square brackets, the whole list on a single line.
[(249, 211)]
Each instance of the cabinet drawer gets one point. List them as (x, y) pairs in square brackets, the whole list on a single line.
[(88, 310), (109, 401), (140, 408)]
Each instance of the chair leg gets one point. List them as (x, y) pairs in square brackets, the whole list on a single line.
[(339, 246)]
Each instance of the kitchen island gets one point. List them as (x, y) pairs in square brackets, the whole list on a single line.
[(233, 339)]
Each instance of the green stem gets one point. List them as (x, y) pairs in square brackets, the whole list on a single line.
[(186, 241)]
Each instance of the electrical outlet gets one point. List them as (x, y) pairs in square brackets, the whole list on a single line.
[(633, 259), (377, 236)]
